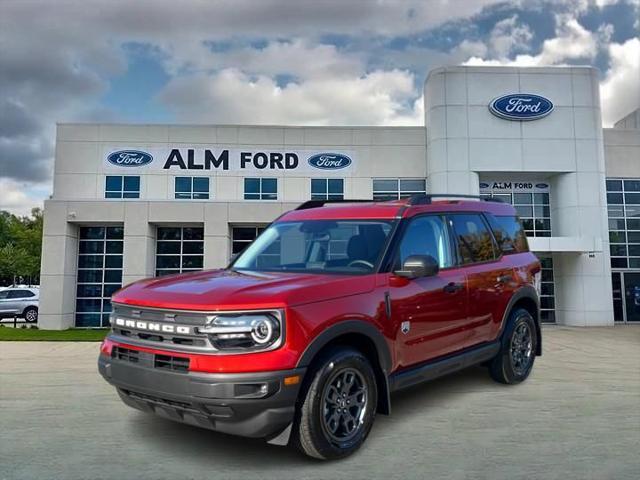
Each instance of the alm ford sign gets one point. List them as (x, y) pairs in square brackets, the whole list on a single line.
[(521, 106), (329, 161), (221, 159), (130, 158)]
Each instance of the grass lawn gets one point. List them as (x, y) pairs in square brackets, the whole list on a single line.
[(33, 335)]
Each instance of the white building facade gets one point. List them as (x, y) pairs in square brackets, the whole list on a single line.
[(133, 201)]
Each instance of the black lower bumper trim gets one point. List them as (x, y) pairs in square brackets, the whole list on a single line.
[(255, 405)]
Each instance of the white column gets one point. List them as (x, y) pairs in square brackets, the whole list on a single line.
[(139, 243), (217, 244), (58, 269), (583, 280)]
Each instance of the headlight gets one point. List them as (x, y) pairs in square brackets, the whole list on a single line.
[(244, 332)]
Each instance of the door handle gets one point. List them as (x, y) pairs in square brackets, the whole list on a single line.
[(452, 287), (504, 278)]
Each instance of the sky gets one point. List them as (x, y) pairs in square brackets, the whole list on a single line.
[(293, 62)]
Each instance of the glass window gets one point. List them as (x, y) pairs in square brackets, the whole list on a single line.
[(122, 186), (632, 185), (396, 188), (241, 237), (192, 188), (547, 290), (632, 198), (623, 197), (179, 250), (318, 246), (260, 188), (475, 243), (615, 198), (509, 233), (21, 294), (100, 251), (533, 208), (614, 185), (426, 235), (327, 188)]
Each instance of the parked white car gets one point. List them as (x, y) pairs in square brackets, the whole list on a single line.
[(20, 301)]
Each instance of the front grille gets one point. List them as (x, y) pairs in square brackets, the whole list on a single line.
[(176, 364), (125, 354), (148, 326), (159, 338)]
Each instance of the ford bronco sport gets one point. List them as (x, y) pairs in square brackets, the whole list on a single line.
[(336, 305)]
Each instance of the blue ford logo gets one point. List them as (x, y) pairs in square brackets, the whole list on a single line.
[(130, 158), (542, 185), (484, 185), (329, 161), (521, 106)]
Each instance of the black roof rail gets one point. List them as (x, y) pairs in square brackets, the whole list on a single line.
[(321, 203), (425, 199)]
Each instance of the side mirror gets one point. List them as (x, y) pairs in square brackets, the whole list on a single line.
[(416, 266)]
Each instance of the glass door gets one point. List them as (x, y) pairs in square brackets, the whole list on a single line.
[(618, 297), (632, 296)]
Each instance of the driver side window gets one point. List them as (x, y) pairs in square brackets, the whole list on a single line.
[(426, 235)]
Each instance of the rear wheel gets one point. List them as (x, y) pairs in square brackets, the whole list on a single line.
[(337, 407), (30, 314), (518, 350)]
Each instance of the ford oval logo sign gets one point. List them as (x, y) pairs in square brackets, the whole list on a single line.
[(130, 158), (521, 106), (329, 161)]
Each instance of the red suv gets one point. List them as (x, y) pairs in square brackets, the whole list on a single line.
[(336, 305)]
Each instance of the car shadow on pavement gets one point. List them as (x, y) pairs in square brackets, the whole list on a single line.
[(198, 444)]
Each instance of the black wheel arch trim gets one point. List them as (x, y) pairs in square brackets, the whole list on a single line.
[(530, 293), (372, 333)]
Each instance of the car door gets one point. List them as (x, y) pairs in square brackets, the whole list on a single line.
[(428, 312), (7, 302), (487, 276)]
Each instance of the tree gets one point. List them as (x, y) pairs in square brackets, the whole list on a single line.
[(20, 246)]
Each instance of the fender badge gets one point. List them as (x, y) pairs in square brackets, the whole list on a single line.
[(405, 327)]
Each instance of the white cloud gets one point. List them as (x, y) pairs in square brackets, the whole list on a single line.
[(508, 36), (232, 96), (620, 90), (20, 197), (572, 42)]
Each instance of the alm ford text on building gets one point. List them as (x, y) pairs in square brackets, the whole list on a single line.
[(133, 201)]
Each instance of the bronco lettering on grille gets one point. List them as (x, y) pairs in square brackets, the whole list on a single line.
[(154, 326)]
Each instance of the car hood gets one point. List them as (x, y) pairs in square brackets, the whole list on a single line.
[(226, 289)]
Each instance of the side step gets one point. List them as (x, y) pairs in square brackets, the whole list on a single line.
[(442, 366)]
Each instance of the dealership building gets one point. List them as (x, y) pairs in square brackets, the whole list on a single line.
[(134, 201)]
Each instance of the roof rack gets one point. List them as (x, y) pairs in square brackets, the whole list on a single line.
[(421, 199), (320, 203), (425, 199)]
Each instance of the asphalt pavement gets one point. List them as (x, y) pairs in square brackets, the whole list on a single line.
[(577, 417)]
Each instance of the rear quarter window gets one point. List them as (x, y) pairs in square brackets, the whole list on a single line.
[(509, 233), (473, 238)]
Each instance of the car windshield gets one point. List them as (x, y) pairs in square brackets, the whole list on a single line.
[(317, 246)]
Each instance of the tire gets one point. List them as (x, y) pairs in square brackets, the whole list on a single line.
[(321, 430), (517, 354), (30, 314)]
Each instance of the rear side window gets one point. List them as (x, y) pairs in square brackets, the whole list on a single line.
[(475, 243), (509, 233), (21, 294)]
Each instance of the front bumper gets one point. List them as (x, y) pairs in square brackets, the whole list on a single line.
[(255, 405)]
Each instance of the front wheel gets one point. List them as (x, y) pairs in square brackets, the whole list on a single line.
[(518, 349), (31, 314), (337, 409)]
